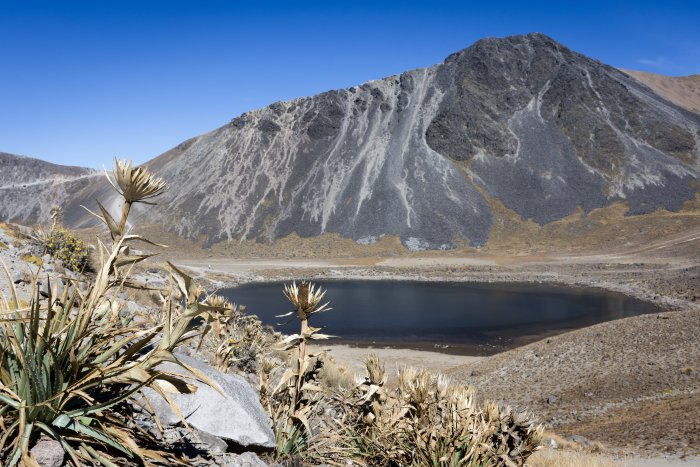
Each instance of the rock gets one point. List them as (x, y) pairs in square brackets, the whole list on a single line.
[(48, 453), (578, 439), (247, 459), (552, 399), (237, 415), (551, 443), (253, 379), (17, 277), (212, 443)]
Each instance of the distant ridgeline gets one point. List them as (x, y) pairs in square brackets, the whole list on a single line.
[(523, 121)]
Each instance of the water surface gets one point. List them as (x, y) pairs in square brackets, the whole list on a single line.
[(458, 317)]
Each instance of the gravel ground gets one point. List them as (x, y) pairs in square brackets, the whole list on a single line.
[(633, 384)]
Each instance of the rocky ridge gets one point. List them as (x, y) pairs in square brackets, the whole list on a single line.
[(522, 120)]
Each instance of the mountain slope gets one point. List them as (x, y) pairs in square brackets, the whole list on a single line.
[(684, 91), (522, 120), (30, 187)]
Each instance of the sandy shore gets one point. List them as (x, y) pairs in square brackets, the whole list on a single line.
[(352, 358)]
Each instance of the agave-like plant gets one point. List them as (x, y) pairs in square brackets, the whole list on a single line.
[(293, 398), (135, 184), (71, 366)]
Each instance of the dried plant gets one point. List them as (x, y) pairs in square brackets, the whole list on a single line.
[(336, 376), (240, 340), (297, 393), (136, 185), (71, 364), (372, 389), (509, 436), (223, 323), (428, 421), (56, 217), (267, 366)]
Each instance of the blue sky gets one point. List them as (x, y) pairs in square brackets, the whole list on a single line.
[(82, 82)]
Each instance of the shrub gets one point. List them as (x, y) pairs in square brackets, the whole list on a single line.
[(240, 340), (63, 245), (71, 366), (428, 421)]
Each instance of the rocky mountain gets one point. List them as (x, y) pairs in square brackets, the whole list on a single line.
[(522, 120), (30, 187)]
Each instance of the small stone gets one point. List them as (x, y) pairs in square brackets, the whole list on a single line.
[(578, 439), (247, 459), (253, 379), (551, 443), (17, 277), (213, 443), (48, 453), (552, 399)]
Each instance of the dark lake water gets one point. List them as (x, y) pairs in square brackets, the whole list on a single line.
[(454, 317)]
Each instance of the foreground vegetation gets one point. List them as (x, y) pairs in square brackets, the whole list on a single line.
[(73, 363)]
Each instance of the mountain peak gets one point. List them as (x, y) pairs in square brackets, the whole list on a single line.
[(521, 120), (491, 44)]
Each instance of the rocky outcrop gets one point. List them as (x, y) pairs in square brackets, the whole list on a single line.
[(233, 412)]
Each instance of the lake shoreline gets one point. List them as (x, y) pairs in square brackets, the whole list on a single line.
[(628, 276), (632, 384), (456, 318)]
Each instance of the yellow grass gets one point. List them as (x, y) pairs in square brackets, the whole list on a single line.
[(336, 376), (571, 454), (566, 458), (33, 259)]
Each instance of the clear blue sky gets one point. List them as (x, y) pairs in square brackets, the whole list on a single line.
[(81, 82)]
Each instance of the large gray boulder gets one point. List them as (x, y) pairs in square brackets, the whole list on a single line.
[(237, 415)]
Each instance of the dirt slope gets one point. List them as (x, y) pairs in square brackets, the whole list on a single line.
[(684, 91), (632, 383)]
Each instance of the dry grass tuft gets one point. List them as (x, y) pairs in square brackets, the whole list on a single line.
[(567, 458), (335, 376)]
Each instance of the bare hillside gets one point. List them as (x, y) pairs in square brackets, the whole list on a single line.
[(684, 91)]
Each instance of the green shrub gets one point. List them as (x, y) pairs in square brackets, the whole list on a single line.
[(63, 245)]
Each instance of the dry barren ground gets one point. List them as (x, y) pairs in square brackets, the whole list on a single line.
[(632, 384)]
